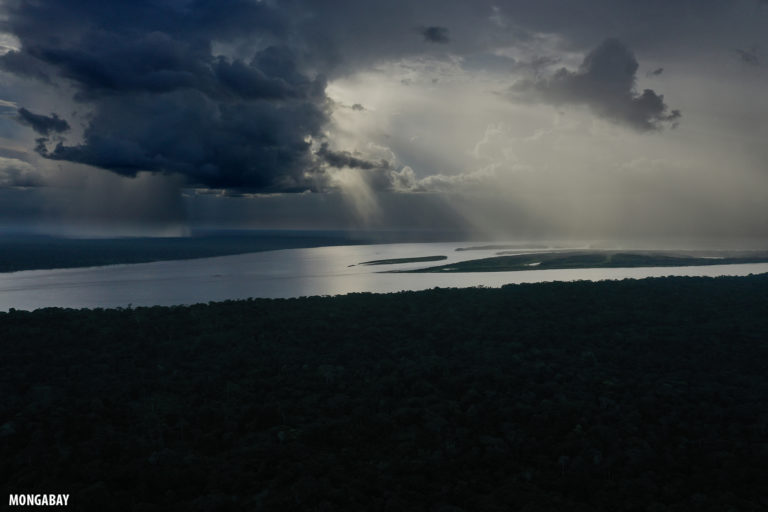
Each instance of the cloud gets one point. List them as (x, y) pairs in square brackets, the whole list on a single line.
[(655, 72), (381, 175), (750, 57), (18, 173), (24, 64), (158, 97), (464, 182), (489, 62), (44, 125), (253, 145), (340, 159), (8, 108), (232, 93), (605, 82), (435, 34)]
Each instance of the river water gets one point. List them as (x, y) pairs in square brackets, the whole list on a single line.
[(289, 273)]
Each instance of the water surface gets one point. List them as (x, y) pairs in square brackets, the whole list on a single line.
[(290, 273)]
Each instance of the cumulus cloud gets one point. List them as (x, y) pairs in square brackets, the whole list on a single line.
[(23, 64), (750, 57), (257, 145), (435, 34), (342, 159), (376, 175), (231, 94), (44, 125), (606, 83), (159, 97), (383, 175), (18, 173)]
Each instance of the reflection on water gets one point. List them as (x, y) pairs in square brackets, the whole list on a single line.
[(289, 273)]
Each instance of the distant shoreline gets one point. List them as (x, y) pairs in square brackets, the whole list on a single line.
[(48, 253), (589, 259)]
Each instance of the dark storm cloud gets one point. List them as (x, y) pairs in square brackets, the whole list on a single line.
[(343, 35), (203, 18), (272, 75), (102, 64), (489, 62), (44, 125), (160, 100), (605, 82), (340, 159), (23, 64), (435, 34), (229, 93), (257, 145)]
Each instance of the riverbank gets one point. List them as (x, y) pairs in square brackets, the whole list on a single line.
[(29, 252)]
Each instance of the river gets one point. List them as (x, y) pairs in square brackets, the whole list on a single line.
[(289, 273)]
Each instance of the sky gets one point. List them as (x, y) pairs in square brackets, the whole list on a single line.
[(599, 119)]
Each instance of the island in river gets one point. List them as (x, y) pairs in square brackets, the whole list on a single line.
[(398, 261), (593, 259)]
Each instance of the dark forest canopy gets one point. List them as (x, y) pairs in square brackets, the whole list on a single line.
[(615, 396)]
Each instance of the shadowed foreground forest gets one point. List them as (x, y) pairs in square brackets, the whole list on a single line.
[(645, 395)]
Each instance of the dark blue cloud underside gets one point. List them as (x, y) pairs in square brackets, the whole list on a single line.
[(162, 101), (44, 125)]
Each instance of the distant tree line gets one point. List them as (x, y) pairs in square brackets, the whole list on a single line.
[(42, 252)]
